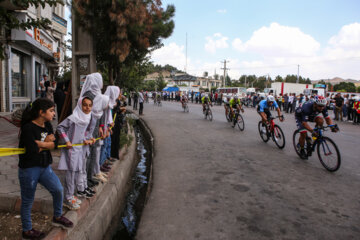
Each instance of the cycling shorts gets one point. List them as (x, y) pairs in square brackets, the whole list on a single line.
[(266, 111)]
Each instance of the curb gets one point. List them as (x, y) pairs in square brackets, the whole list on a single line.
[(94, 216)]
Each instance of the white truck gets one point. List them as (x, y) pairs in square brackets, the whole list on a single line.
[(278, 88)]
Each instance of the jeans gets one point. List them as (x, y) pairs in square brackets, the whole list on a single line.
[(29, 178), (141, 108), (105, 150)]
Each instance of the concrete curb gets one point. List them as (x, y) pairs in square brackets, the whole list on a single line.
[(91, 221)]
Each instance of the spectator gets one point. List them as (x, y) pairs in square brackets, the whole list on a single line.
[(42, 86), (350, 112), (34, 166), (286, 102), (59, 98), (135, 100), (346, 104), (141, 102), (339, 103)]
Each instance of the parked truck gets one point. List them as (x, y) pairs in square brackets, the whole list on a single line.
[(278, 88)]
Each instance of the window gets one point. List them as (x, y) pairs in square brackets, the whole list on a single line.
[(204, 83), (19, 75)]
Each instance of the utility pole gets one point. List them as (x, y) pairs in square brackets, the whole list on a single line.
[(297, 80), (225, 69), (186, 54), (245, 81)]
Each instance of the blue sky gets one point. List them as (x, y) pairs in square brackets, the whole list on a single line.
[(266, 37)]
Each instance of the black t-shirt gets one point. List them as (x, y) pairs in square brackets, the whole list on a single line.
[(32, 157), (339, 101)]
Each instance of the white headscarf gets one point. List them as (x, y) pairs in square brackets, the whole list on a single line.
[(78, 116), (113, 93), (94, 84)]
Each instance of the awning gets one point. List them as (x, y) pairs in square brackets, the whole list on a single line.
[(171, 89)]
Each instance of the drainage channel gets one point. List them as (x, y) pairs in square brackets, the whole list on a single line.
[(135, 200)]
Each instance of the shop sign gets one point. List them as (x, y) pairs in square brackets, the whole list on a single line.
[(42, 40)]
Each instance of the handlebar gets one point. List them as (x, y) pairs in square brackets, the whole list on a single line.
[(333, 126), (272, 118)]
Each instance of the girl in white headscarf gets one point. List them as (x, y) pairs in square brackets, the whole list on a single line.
[(113, 92), (74, 129)]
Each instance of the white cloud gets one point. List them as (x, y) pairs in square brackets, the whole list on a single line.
[(222, 11), (278, 40), (348, 37), (215, 42), (172, 54)]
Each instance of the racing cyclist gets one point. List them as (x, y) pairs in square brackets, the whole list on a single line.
[(183, 100), (263, 109), (205, 100), (235, 103), (227, 106), (310, 112)]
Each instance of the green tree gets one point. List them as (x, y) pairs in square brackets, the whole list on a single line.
[(216, 76), (149, 85), (358, 89), (9, 21), (206, 74), (124, 33), (278, 78), (346, 86), (160, 83)]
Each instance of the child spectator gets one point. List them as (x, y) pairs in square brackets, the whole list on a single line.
[(37, 137), (74, 129)]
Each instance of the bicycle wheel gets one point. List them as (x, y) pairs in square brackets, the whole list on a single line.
[(210, 115), (240, 122), (296, 144), (263, 132), (329, 154), (278, 137), (227, 117)]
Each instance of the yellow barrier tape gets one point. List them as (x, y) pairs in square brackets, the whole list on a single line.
[(15, 151)]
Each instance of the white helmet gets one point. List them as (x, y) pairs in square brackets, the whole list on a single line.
[(270, 98), (235, 97), (320, 100)]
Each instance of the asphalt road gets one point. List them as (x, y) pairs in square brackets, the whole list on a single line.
[(214, 182)]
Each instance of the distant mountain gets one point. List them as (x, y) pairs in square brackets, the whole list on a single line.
[(335, 80)]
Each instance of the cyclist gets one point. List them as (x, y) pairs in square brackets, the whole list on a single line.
[(235, 103), (158, 97), (263, 109), (310, 112), (227, 105), (205, 100), (183, 100)]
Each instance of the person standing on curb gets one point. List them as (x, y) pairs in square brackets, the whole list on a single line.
[(141, 102), (37, 137)]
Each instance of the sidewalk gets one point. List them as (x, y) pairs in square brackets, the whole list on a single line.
[(9, 187)]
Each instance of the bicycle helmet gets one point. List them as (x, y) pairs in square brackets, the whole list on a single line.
[(235, 97), (270, 98), (320, 100)]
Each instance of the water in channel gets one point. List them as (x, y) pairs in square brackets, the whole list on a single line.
[(135, 200)]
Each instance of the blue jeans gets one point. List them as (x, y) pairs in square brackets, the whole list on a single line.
[(29, 178), (105, 150)]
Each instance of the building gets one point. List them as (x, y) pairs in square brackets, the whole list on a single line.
[(208, 82), (30, 54), (166, 75)]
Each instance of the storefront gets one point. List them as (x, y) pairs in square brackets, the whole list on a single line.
[(30, 56)]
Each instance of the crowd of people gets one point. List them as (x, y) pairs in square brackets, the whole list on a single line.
[(90, 150)]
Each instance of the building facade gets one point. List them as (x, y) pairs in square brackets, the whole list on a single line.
[(31, 54)]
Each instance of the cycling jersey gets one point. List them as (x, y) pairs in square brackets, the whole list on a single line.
[(264, 105), (307, 113), (234, 102), (203, 100)]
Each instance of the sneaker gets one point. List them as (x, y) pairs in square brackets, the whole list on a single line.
[(101, 178), (94, 181), (33, 234), (90, 190), (71, 204), (78, 201), (85, 194), (62, 222), (104, 169), (107, 166)]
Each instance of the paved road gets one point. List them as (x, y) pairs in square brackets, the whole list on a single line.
[(214, 182)]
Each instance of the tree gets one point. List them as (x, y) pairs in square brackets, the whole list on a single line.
[(124, 32), (216, 76), (358, 89), (346, 86), (278, 78), (160, 83), (205, 74), (9, 21)]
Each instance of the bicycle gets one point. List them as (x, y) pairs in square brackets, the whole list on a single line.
[(228, 114), (239, 120), (158, 102), (208, 113), (185, 107), (325, 147), (272, 130)]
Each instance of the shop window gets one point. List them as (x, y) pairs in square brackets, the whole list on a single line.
[(19, 75)]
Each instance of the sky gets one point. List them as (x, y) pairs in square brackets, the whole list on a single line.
[(321, 38)]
